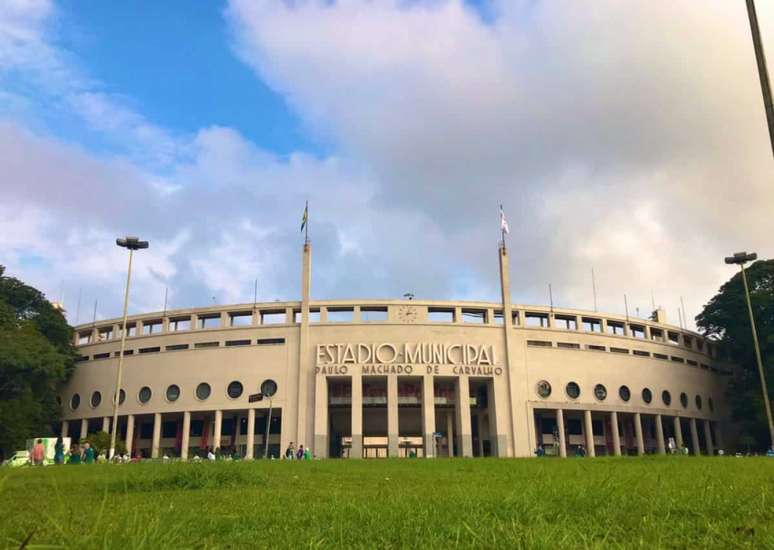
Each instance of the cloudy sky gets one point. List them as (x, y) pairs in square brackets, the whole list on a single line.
[(624, 136)]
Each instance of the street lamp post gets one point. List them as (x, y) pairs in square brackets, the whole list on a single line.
[(763, 72), (131, 243), (741, 258)]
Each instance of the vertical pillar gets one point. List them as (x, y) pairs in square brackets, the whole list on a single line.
[(515, 379), (708, 438), (65, 428), (217, 429), (106, 424), (560, 429), (129, 434), (463, 417), (616, 433), (480, 435), (156, 435), (588, 430), (638, 434), (498, 437), (249, 453), (303, 431), (718, 437), (356, 451), (321, 416), (660, 435), (428, 414), (84, 428), (186, 435), (678, 434), (694, 437), (449, 434), (392, 416)]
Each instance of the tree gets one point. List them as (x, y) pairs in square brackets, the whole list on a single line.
[(725, 319), (36, 358)]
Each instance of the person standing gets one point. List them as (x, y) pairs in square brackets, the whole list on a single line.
[(38, 453), (290, 452), (307, 454), (300, 453), (88, 453), (75, 455), (59, 451)]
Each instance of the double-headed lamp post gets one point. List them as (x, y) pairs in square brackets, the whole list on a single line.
[(741, 258), (131, 243)]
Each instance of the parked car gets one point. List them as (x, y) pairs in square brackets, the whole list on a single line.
[(19, 458)]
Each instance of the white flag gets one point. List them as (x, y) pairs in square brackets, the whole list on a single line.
[(503, 221)]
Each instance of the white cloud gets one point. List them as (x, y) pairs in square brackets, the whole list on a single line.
[(627, 136)]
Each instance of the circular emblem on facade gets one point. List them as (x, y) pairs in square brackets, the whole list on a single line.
[(407, 314)]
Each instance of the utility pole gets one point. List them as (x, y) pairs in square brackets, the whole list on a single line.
[(763, 72)]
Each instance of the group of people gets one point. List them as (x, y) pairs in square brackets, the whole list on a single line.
[(291, 453)]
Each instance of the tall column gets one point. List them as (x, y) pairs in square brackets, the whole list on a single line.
[(560, 429), (588, 430), (516, 418), (65, 428), (249, 453), (106, 424), (638, 434), (84, 428), (303, 432), (708, 438), (449, 434), (392, 416), (186, 435), (129, 434), (428, 414), (156, 435), (217, 429), (356, 451), (321, 416), (660, 435), (678, 433), (498, 432), (719, 437), (463, 417), (694, 437), (616, 433), (480, 435)]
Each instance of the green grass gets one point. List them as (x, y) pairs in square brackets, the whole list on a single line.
[(676, 502)]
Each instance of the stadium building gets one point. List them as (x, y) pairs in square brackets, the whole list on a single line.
[(397, 378)]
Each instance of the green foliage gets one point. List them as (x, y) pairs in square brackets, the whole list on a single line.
[(36, 357), (726, 319), (100, 441), (649, 502)]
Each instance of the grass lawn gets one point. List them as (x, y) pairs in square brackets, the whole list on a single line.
[(677, 502)]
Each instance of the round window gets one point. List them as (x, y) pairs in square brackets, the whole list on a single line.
[(96, 399), (698, 402), (710, 404), (173, 392), (234, 389), (624, 393), (543, 389), (666, 397), (121, 397), (573, 390), (600, 392), (145, 394), (75, 401), (203, 391), (684, 399), (647, 395)]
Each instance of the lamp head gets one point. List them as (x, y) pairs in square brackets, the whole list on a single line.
[(132, 243)]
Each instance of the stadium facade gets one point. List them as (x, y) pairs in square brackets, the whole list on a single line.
[(374, 378)]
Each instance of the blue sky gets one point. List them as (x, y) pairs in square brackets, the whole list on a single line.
[(174, 61), (615, 134)]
